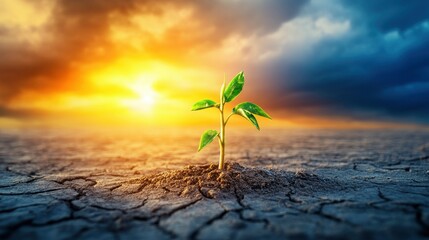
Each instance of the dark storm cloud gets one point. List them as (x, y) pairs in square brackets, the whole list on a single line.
[(378, 71), (389, 15)]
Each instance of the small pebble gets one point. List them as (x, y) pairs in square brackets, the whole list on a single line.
[(211, 193)]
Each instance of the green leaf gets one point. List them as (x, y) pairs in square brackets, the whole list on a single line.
[(234, 87), (247, 115), (207, 138), (203, 104), (253, 108)]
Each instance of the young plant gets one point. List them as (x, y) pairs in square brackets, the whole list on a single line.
[(246, 109)]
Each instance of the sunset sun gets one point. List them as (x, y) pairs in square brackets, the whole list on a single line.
[(144, 98)]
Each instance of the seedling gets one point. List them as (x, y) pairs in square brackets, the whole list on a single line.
[(246, 109)]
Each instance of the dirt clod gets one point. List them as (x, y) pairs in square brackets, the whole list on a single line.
[(235, 179)]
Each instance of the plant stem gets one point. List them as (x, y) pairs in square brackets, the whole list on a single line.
[(227, 119), (222, 129), (222, 139)]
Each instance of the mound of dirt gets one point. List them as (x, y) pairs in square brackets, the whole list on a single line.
[(237, 180)]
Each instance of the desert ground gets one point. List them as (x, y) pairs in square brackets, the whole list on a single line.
[(151, 184)]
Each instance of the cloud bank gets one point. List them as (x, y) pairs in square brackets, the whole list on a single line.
[(365, 60)]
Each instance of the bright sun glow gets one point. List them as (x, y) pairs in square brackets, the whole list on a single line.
[(145, 96), (126, 92)]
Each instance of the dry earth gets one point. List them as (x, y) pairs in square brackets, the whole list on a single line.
[(56, 187)]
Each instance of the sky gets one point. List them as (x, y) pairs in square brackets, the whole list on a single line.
[(324, 63)]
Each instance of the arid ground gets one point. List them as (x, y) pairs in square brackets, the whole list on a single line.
[(279, 184)]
